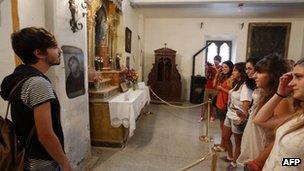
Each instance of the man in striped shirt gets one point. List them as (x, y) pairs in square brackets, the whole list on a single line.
[(34, 103)]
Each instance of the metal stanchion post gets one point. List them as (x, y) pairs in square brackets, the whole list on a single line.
[(148, 112), (196, 162), (207, 137), (214, 160)]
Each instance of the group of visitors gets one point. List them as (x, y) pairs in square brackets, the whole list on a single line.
[(260, 103)]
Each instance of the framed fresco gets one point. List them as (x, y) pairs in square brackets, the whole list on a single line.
[(128, 40), (268, 38), (74, 71)]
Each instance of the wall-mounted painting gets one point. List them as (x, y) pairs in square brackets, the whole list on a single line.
[(74, 71), (268, 38), (128, 40)]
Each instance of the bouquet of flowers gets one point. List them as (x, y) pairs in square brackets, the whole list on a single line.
[(94, 76), (131, 75), (97, 77)]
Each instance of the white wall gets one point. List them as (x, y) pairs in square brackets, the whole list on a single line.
[(29, 17), (7, 61), (186, 37), (74, 112), (31, 13), (132, 20)]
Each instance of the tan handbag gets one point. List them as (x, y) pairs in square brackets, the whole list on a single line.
[(11, 152)]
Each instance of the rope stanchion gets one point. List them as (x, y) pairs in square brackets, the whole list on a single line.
[(206, 138), (214, 156), (196, 162), (214, 160), (182, 107)]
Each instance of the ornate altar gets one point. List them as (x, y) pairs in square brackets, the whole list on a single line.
[(164, 78), (103, 19), (102, 24)]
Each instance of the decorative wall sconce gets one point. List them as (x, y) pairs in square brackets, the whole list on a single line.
[(242, 26), (75, 25)]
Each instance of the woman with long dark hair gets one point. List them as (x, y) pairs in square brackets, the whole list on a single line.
[(248, 140), (239, 102), (223, 83), (260, 140)]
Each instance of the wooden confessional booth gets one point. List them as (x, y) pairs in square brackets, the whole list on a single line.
[(164, 78)]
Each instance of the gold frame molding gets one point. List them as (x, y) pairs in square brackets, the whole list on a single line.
[(16, 25), (112, 22), (93, 7)]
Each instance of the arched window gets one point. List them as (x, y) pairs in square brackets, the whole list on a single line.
[(225, 52), (212, 52), (218, 47)]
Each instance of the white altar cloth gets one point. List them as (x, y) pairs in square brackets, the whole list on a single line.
[(125, 112)]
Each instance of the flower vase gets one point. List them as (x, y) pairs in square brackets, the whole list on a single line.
[(134, 85)]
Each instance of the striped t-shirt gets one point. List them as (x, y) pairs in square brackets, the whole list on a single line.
[(36, 90)]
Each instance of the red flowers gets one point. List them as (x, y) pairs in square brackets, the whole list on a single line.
[(131, 75)]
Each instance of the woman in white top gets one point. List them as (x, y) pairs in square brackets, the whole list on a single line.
[(289, 141), (239, 102), (249, 146)]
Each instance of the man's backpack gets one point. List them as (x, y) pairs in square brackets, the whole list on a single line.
[(12, 154)]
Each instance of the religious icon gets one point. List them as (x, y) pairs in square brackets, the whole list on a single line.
[(128, 40), (265, 39), (74, 71)]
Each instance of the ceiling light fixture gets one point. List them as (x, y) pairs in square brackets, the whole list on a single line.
[(240, 7)]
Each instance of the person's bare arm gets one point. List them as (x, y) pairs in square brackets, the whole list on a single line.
[(277, 109), (215, 80), (270, 115), (216, 77), (223, 89), (262, 157), (46, 135), (244, 113)]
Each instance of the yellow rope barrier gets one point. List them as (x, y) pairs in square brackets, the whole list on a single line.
[(182, 107), (207, 138), (196, 162), (214, 158)]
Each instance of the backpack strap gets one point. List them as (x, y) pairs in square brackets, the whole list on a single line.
[(10, 95), (7, 110), (29, 138)]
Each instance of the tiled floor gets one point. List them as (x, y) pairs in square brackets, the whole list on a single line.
[(167, 140)]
